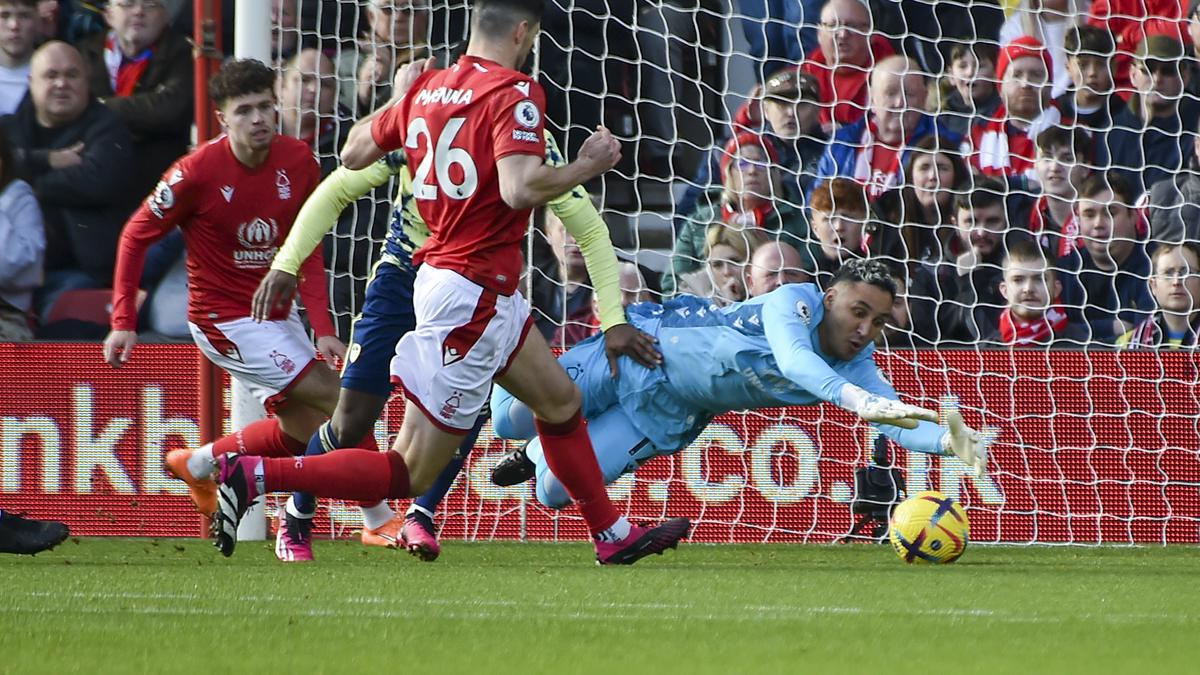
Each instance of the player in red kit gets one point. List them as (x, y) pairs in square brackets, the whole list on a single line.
[(235, 199), (474, 134)]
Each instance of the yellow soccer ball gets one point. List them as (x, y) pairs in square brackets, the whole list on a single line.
[(929, 527)]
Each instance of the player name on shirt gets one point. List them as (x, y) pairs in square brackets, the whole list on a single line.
[(445, 95)]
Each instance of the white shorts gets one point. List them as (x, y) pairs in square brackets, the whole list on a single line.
[(268, 357), (465, 337)]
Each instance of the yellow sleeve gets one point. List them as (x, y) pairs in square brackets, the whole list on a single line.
[(1124, 340), (574, 208), (322, 208)]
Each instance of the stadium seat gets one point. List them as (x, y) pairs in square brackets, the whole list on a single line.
[(82, 314)]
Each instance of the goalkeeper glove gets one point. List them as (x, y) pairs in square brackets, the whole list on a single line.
[(875, 408), (965, 443)]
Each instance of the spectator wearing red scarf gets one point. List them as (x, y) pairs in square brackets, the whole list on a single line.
[(1004, 144), (750, 198), (842, 64), (1062, 167), (143, 72), (1033, 316)]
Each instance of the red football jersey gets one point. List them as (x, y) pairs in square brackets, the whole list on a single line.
[(455, 124), (233, 219)]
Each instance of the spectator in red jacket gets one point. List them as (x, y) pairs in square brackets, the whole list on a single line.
[(848, 51)]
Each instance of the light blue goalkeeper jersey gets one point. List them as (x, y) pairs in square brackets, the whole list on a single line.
[(760, 353)]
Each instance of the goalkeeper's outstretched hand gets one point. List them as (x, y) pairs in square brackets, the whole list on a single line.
[(875, 408), (967, 444)]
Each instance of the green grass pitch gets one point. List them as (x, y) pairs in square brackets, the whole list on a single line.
[(176, 606)]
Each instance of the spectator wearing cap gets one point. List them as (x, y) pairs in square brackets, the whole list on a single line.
[(1129, 22), (848, 52), (1176, 289), (1106, 280), (1048, 21), (788, 115), (142, 71), (1094, 105), (969, 88), (791, 113), (1003, 145), (1165, 117), (1174, 207), (748, 200), (873, 150)]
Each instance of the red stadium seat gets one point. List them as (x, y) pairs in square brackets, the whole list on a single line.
[(89, 306)]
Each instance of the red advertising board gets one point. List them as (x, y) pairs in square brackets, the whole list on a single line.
[(1093, 448)]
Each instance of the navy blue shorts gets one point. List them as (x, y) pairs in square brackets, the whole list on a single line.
[(387, 314)]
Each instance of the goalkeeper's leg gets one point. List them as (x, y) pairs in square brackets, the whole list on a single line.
[(618, 445)]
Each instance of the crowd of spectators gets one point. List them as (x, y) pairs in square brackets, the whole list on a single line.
[(1031, 173)]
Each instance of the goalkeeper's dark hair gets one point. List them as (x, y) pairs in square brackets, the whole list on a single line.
[(867, 271), (497, 18), (240, 77)]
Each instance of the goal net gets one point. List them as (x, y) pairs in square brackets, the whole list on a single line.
[(1095, 445)]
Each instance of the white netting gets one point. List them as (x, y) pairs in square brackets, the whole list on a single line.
[(1095, 446)]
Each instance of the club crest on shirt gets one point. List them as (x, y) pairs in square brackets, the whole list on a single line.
[(803, 312), (884, 376), (527, 114), (283, 184)]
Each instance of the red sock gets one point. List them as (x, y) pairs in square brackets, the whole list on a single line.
[(263, 438), (353, 474), (569, 454), (369, 443)]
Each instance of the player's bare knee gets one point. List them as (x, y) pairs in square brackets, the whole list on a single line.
[(560, 407)]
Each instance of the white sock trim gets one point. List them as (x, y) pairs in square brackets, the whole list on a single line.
[(294, 512), (200, 462), (416, 508), (375, 517)]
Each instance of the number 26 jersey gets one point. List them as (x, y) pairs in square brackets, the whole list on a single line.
[(455, 125)]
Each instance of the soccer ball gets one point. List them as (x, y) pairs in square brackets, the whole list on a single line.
[(929, 527)]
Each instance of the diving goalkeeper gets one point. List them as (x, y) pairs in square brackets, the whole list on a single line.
[(792, 346)]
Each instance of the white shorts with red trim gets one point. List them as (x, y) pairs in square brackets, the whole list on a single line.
[(269, 358), (465, 337)]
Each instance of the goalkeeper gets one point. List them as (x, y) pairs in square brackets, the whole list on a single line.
[(792, 346)]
